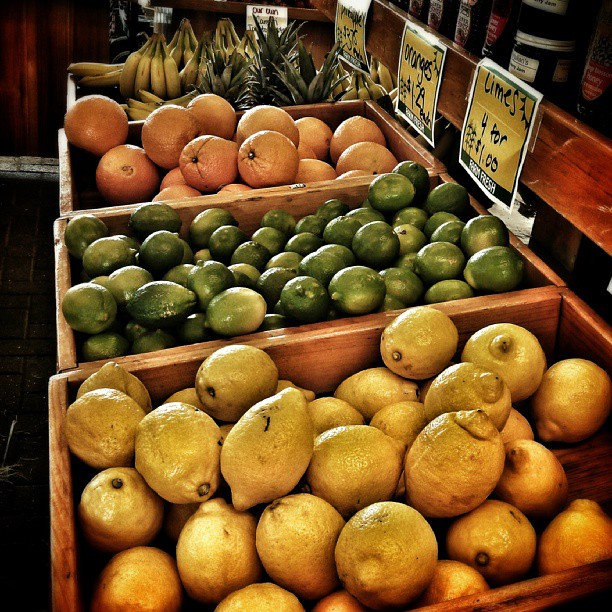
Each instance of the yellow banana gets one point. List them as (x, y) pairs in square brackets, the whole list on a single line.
[(374, 69), (363, 93), (189, 74), (351, 91), (148, 97), (187, 50), (136, 114), (83, 69), (101, 80), (143, 74), (173, 79), (174, 40), (384, 77), (192, 37), (177, 50), (128, 74), (158, 79), (183, 100), (137, 104)]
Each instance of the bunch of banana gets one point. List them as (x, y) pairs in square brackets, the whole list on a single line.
[(183, 44), (226, 39), (189, 73), (95, 74), (381, 75), (137, 110), (341, 73), (362, 87)]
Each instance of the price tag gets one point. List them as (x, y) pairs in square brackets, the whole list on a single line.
[(263, 14), (350, 32), (496, 131), (419, 76)]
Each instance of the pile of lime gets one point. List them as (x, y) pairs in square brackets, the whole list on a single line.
[(404, 245)]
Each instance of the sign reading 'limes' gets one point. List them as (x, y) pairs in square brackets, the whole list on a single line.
[(419, 75), (350, 32), (496, 131)]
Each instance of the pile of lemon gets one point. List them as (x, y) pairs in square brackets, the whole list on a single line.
[(416, 482)]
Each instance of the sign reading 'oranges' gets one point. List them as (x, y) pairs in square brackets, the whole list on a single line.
[(351, 16)]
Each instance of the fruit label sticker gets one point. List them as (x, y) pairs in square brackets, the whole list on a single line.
[(496, 131), (419, 75), (350, 32), (263, 14)]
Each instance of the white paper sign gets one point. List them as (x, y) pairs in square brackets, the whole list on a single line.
[(263, 14)]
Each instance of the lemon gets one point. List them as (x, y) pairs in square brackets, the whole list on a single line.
[(205, 223), (447, 290), (279, 433), (178, 274), (225, 383), (438, 261), (124, 282), (572, 402), (236, 311), (100, 428), (89, 308), (274, 240), (357, 290), (331, 209), (495, 269), (156, 340), (496, 539), (81, 231), (260, 597), (186, 396), (403, 285), (391, 192), (160, 251), (296, 538), (452, 579), (280, 220), (153, 217), (354, 466), (454, 464), (253, 253), (216, 553), (224, 241), (175, 517), (305, 299), (339, 601), (177, 453), (411, 238), (118, 510), (106, 255), (482, 232), (517, 427), (402, 421), (329, 412), (511, 351), (286, 384), (386, 555)]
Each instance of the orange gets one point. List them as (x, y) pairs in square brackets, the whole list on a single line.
[(235, 188), (209, 162), (174, 177), (354, 173), (340, 601), (351, 131), (305, 152), (266, 117), (311, 170), (266, 159), (316, 134), (165, 133), (96, 124), (214, 115), (369, 156), (176, 192), (125, 175)]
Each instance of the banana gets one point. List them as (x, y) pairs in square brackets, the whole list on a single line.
[(136, 114), (187, 50), (351, 91), (137, 104), (171, 73), (192, 37), (158, 79), (374, 69), (143, 74), (128, 74), (384, 77), (83, 69), (174, 40), (363, 93), (189, 74), (101, 80), (177, 50), (183, 100), (147, 97), (376, 91)]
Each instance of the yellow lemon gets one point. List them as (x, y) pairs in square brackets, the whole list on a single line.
[(260, 597), (517, 427), (186, 396), (403, 421), (284, 384), (175, 517), (452, 579), (329, 412)]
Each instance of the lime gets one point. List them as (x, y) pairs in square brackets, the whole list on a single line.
[(391, 303), (274, 240), (391, 192), (106, 345), (439, 261), (274, 321), (436, 220), (418, 177), (99, 280), (405, 261), (132, 330), (357, 290), (311, 223), (205, 223), (482, 232), (410, 215), (448, 197), (448, 232), (187, 253), (161, 304), (89, 308), (278, 219), (271, 283), (224, 241), (152, 217), (305, 300), (495, 269), (331, 209), (376, 244), (252, 253), (124, 282), (81, 231), (160, 251), (201, 256), (178, 274), (208, 279), (236, 311), (342, 252), (278, 309), (321, 265), (245, 275), (411, 238), (367, 204), (105, 255), (286, 259), (341, 230), (403, 285), (156, 340), (365, 215), (130, 241), (448, 290), (194, 329), (304, 243)]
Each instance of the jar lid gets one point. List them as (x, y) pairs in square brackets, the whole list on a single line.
[(545, 43)]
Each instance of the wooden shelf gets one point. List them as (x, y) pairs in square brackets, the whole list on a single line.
[(570, 166)]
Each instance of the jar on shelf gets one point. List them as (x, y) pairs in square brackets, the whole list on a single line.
[(419, 9), (442, 16), (501, 30), (471, 26)]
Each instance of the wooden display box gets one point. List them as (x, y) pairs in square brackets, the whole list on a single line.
[(320, 360), (248, 212), (78, 168)]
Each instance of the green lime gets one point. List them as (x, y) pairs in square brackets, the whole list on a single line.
[(439, 261), (279, 219), (274, 321), (304, 243), (160, 251), (209, 279), (201, 256), (252, 253), (278, 309), (311, 223), (405, 261), (286, 259), (152, 217), (482, 232), (410, 215), (106, 345), (224, 241), (130, 241), (365, 215), (178, 274), (436, 220), (274, 240), (89, 308), (81, 231), (494, 269), (391, 192), (342, 252), (205, 223), (448, 290), (245, 275), (376, 244), (403, 285), (271, 283), (331, 209), (106, 255), (132, 330), (124, 282), (357, 290), (448, 232), (194, 329), (235, 312), (391, 303), (341, 230), (187, 253), (418, 177), (367, 204), (161, 304), (156, 340), (304, 299), (99, 280), (321, 265), (448, 197), (411, 238)]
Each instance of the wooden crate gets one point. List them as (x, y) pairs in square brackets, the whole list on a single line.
[(248, 213), (319, 360), (77, 167)]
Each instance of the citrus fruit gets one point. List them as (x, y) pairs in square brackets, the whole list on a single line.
[(161, 304), (376, 244), (305, 299), (206, 222), (150, 341), (329, 412), (418, 176), (390, 303), (447, 290), (448, 197), (305, 152), (264, 117), (341, 252), (436, 220), (405, 261), (209, 279), (89, 308), (357, 290), (271, 283), (403, 285), (313, 170), (410, 215), (194, 329), (353, 130), (331, 209), (209, 162), (245, 275), (340, 601), (176, 192), (173, 177), (365, 214), (224, 241), (438, 261), (160, 251), (286, 384), (411, 238), (452, 579), (482, 232), (132, 330), (124, 282), (280, 220), (105, 255), (234, 188), (354, 174), (186, 396), (201, 256), (175, 517), (274, 240), (260, 597), (236, 311), (341, 230), (368, 156), (214, 115), (321, 265), (402, 421), (81, 231), (286, 259), (448, 232), (178, 274), (105, 345), (495, 269), (517, 427), (273, 321), (311, 223), (252, 253), (316, 134), (304, 243), (390, 192), (149, 218)]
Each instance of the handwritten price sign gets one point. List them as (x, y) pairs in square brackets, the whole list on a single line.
[(419, 77), (496, 131), (350, 32)]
